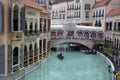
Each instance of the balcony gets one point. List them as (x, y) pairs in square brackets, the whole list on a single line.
[(17, 35), (116, 32)]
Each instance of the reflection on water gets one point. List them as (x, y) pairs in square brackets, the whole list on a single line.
[(75, 66)]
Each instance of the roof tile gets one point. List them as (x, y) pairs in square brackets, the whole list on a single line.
[(101, 3), (113, 12), (35, 5)]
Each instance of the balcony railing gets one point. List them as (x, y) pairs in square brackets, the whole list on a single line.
[(117, 32), (17, 35)]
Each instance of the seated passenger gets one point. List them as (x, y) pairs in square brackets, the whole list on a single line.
[(60, 56)]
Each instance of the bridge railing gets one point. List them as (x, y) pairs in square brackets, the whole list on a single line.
[(80, 38)]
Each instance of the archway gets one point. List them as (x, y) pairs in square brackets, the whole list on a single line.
[(35, 52), (89, 43), (30, 54), (25, 56), (69, 46), (15, 56)]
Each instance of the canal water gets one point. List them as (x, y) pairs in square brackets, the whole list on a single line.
[(74, 66)]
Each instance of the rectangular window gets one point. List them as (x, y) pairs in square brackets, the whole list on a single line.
[(87, 6), (63, 16), (77, 0), (41, 1), (110, 27), (115, 24), (119, 26), (1, 12), (44, 25), (40, 24), (79, 14), (86, 14), (106, 27)]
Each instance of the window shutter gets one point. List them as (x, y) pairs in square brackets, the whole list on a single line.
[(1, 14)]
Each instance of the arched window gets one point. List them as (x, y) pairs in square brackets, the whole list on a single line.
[(30, 48), (53, 34), (86, 35), (60, 33), (80, 34), (99, 13), (15, 56), (25, 49), (93, 35), (31, 52), (15, 17), (99, 23), (100, 35), (96, 23), (35, 47), (25, 53)]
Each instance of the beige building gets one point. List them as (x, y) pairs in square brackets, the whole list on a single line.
[(24, 37), (99, 13), (101, 18), (111, 10), (114, 25), (72, 11)]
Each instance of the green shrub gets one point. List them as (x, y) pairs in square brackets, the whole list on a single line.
[(25, 65), (30, 62), (15, 69)]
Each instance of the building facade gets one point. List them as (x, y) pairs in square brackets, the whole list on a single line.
[(24, 37), (110, 21), (72, 11), (99, 13)]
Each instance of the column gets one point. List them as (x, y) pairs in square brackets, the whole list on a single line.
[(113, 25), (46, 44), (33, 25), (33, 54), (117, 26), (28, 57), (42, 49), (42, 25)]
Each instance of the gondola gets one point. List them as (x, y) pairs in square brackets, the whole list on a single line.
[(60, 56)]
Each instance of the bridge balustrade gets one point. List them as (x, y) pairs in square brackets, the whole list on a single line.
[(74, 37)]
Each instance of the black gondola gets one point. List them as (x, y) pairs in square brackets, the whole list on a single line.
[(60, 56)]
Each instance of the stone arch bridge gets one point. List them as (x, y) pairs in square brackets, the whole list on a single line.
[(85, 35)]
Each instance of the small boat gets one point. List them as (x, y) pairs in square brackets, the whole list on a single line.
[(60, 56)]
